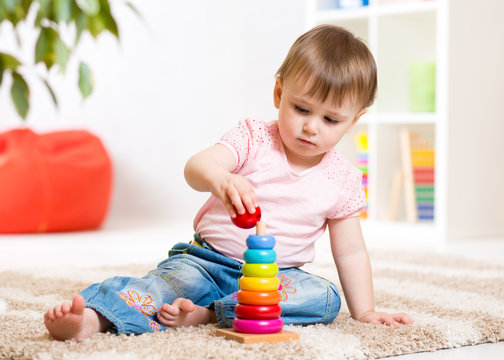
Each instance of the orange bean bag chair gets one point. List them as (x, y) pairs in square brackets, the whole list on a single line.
[(58, 181)]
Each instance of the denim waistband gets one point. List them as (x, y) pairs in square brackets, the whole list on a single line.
[(199, 241), (203, 250)]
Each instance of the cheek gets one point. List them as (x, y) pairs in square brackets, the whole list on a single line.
[(334, 137)]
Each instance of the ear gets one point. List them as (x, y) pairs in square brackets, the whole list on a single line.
[(277, 92), (356, 118)]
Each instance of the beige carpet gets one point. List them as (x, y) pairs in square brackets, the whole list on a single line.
[(455, 302)]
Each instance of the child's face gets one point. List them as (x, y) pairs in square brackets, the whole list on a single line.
[(308, 127)]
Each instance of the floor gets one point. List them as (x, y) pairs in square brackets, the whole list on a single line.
[(140, 243)]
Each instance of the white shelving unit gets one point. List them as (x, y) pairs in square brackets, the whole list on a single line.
[(444, 32)]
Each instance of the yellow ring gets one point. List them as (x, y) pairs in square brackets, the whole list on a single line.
[(260, 270), (259, 283)]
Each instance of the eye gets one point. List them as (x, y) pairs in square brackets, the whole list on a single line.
[(331, 121), (301, 110)]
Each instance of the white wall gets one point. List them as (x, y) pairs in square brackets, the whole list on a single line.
[(171, 87)]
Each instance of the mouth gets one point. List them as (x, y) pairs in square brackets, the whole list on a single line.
[(306, 142)]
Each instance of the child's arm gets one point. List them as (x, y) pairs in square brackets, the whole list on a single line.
[(210, 170), (354, 269)]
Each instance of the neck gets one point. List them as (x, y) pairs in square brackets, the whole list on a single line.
[(300, 163)]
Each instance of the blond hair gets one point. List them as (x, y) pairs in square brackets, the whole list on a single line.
[(335, 63)]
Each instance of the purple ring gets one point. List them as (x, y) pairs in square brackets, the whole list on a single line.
[(258, 326)]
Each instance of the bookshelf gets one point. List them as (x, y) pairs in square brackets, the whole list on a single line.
[(462, 41)]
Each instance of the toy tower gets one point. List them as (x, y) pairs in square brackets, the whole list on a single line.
[(258, 310)]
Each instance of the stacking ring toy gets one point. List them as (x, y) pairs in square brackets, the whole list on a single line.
[(259, 283), (260, 270), (258, 297), (247, 220), (254, 312), (260, 242), (259, 256), (258, 326)]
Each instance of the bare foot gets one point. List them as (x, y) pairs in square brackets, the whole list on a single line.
[(74, 321), (182, 312)]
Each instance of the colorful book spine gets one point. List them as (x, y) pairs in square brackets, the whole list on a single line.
[(423, 158), (361, 141)]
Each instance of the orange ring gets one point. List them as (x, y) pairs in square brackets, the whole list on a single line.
[(259, 283), (258, 297)]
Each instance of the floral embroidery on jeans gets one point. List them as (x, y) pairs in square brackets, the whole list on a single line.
[(285, 287), (140, 303), (154, 326)]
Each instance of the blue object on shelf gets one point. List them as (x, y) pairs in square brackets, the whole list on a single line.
[(350, 4)]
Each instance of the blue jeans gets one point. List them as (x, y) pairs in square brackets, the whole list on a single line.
[(209, 279)]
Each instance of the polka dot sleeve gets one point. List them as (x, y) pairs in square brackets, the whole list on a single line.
[(243, 140), (352, 199)]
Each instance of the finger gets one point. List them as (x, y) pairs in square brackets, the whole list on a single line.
[(236, 200), (403, 318), (250, 202), (388, 320), (230, 209)]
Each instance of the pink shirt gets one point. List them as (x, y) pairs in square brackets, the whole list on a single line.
[(294, 204)]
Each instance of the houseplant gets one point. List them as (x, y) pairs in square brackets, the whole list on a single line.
[(52, 19), (58, 181)]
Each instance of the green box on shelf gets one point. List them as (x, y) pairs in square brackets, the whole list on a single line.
[(422, 76)]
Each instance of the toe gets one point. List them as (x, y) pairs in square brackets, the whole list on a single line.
[(172, 310), (49, 315), (65, 308), (185, 305), (78, 304)]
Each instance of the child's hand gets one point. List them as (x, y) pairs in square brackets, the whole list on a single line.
[(378, 318), (235, 192)]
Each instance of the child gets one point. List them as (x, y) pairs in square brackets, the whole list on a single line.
[(290, 169)]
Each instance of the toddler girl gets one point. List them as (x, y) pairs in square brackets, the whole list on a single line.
[(290, 169)]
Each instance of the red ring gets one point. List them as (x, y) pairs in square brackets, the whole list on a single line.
[(258, 297), (254, 312)]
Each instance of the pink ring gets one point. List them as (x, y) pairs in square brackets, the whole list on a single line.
[(258, 326)]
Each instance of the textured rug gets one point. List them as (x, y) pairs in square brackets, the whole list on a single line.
[(454, 301)]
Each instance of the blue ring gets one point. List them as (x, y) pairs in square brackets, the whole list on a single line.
[(259, 256), (260, 241)]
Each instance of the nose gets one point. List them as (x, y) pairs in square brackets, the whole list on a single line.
[(310, 125)]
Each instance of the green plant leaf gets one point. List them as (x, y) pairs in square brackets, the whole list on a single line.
[(3, 12), (81, 23), (44, 48), (107, 18), (85, 80), (51, 92), (43, 12), (10, 5), (8, 62), (20, 95), (26, 4), (14, 11), (44, 6), (89, 7), (61, 51), (62, 10), (50, 49), (95, 25)]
